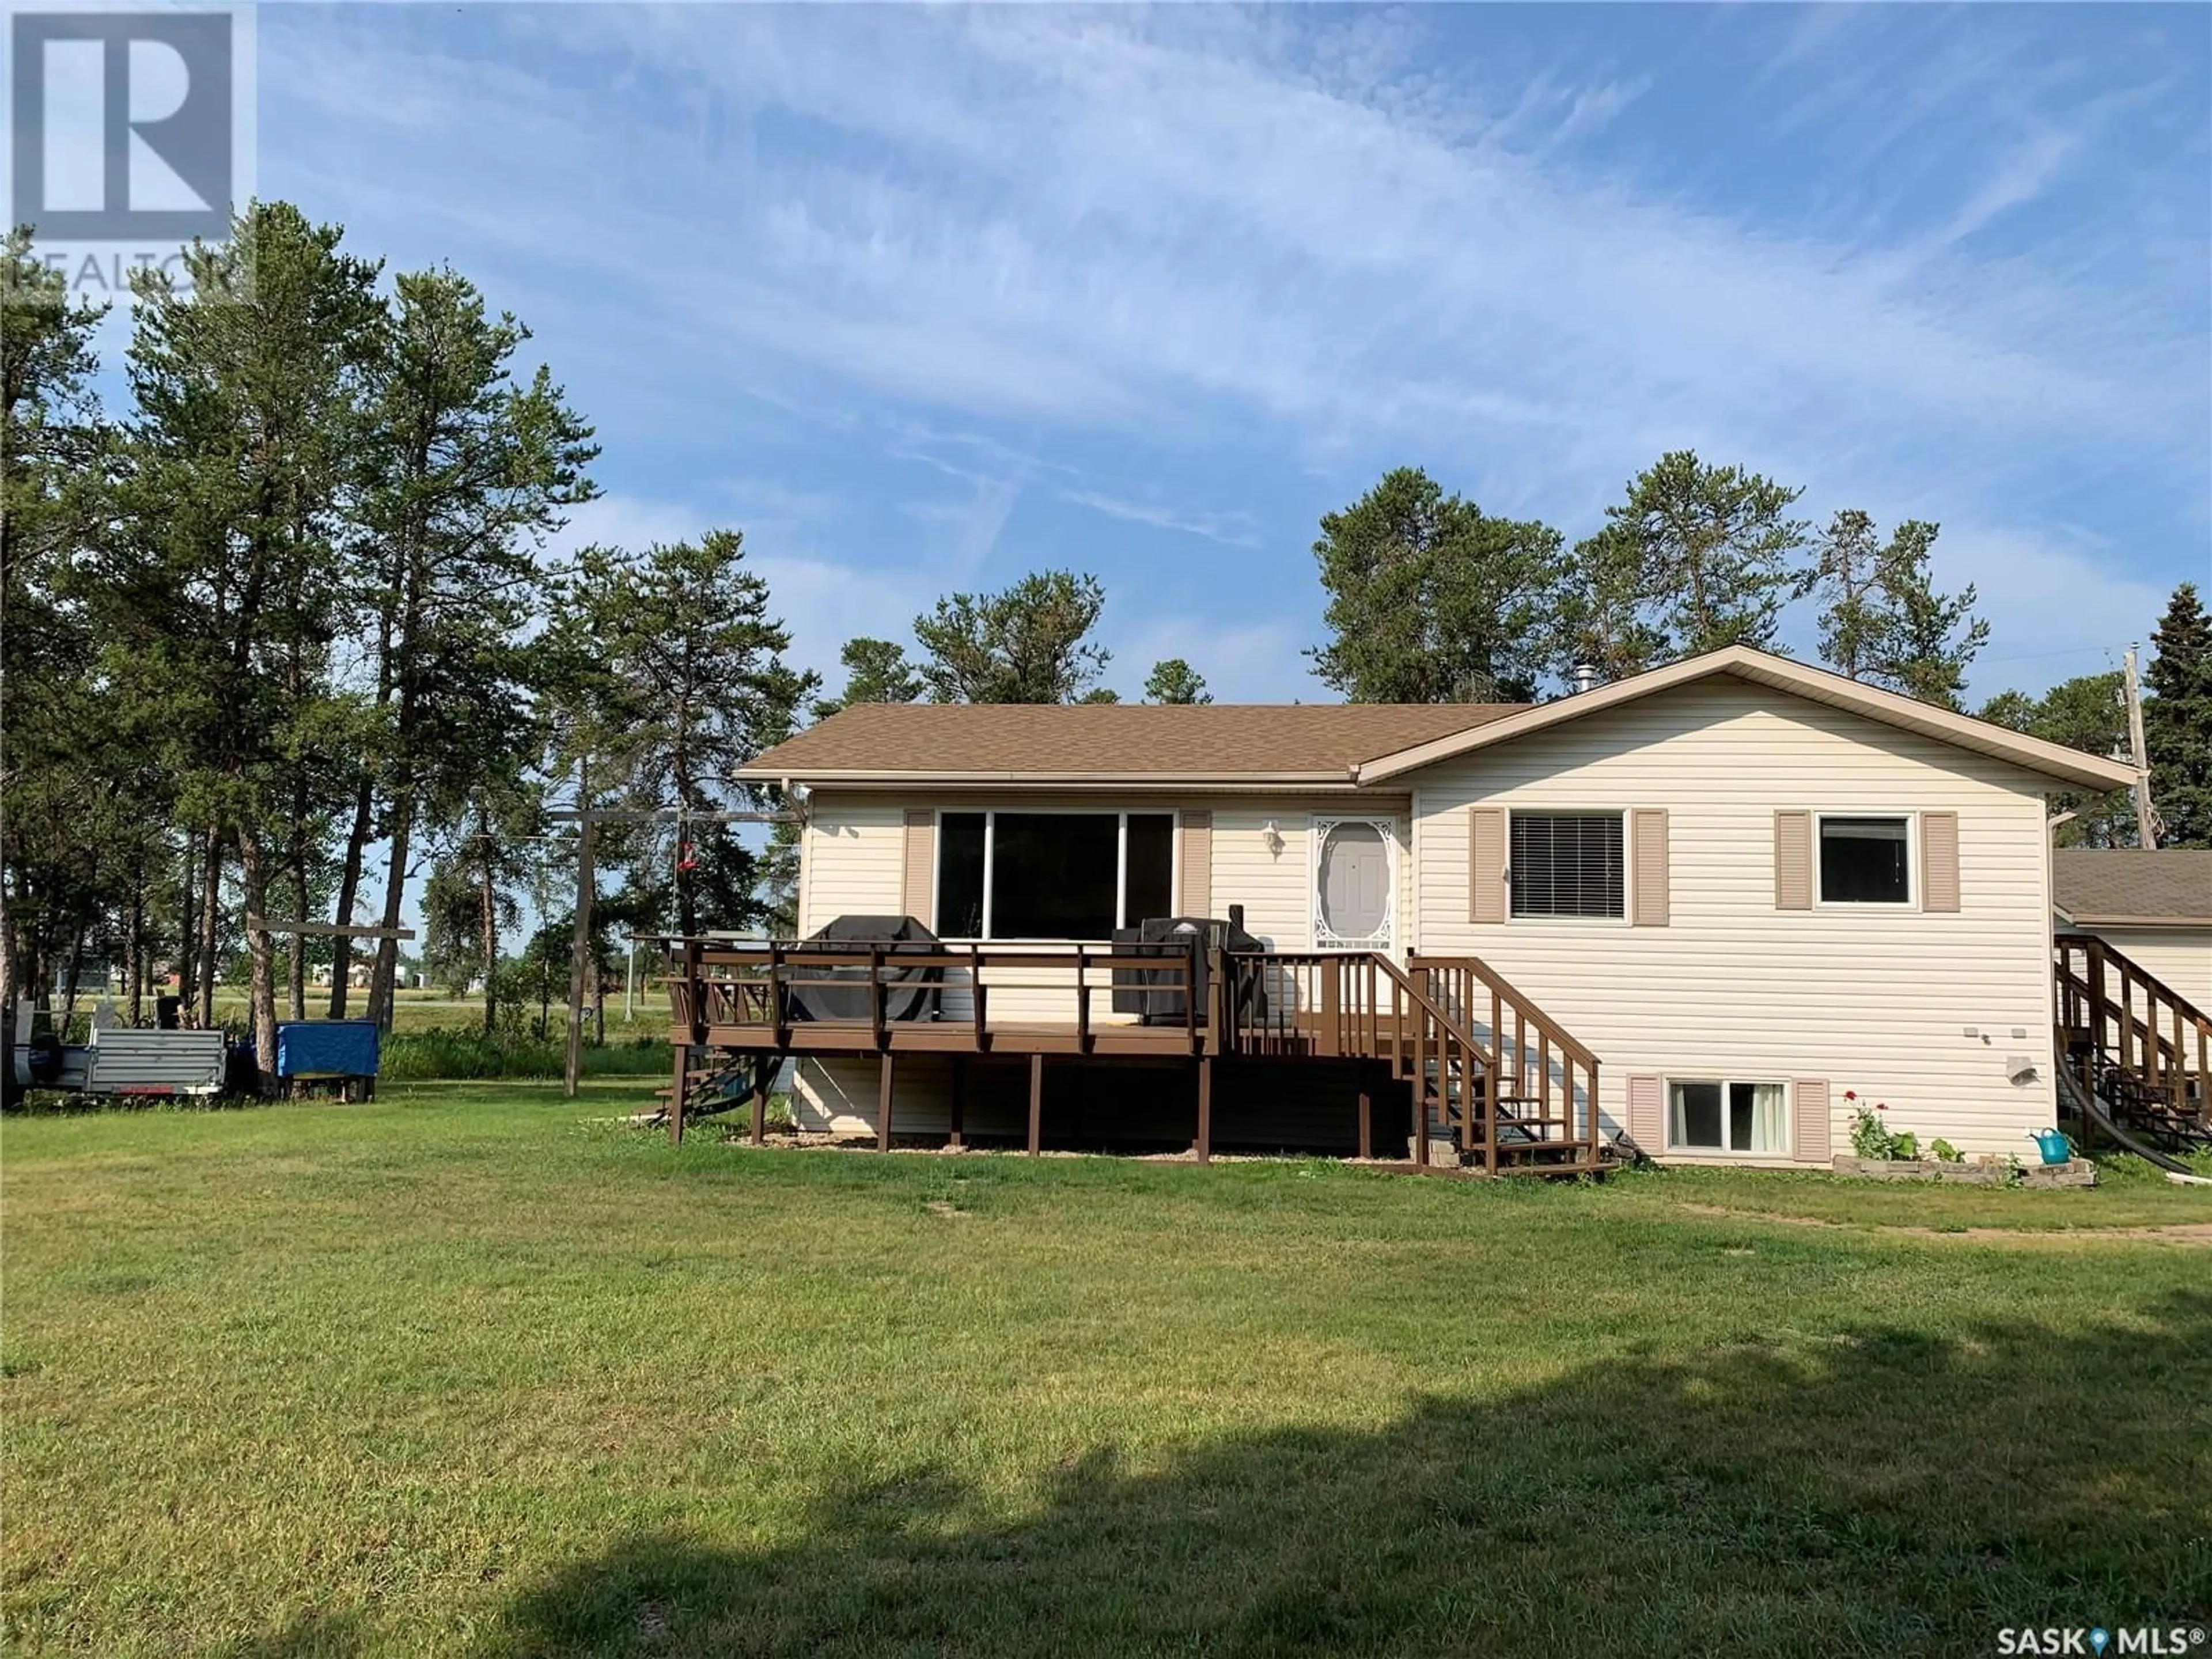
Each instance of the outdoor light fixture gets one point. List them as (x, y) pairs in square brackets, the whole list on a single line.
[(1274, 838)]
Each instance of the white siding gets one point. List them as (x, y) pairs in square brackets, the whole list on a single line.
[(1917, 1011), (2181, 956)]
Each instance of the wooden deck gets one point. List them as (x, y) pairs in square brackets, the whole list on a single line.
[(1475, 1075)]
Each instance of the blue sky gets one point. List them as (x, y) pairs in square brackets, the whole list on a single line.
[(923, 299)]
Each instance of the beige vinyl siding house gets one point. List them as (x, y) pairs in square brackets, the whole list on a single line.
[(2154, 907), (1900, 1002), (1751, 889)]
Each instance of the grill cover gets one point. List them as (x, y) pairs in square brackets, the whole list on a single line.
[(1131, 992), (909, 993)]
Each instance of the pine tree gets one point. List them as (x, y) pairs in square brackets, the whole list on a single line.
[(1174, 680), (464, 468), (1924, 641), (2178, 721), (876, 671), (1598, 610), (1030, 643), (1844, 569), (1430, 598), (2089, 714), (54, 780), (692, 682), (225, 591), (1718, 552)]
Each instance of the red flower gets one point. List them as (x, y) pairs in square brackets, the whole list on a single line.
[(1850, 1094), (1881, 1105)]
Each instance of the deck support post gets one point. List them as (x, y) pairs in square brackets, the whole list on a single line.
[(1203, 1147), (1037, 1104), (763, 1074), (884, 1068), (1366, 1113), (676, 1094), (958, 1139)]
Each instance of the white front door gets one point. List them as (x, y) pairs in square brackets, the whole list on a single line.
[(1354, 884)]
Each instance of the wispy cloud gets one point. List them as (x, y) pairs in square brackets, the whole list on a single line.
[(1233, 529), (1044, 253)]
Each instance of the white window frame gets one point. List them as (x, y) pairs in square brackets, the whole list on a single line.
[(1325, 938), (990, 816), (1782, 1154), (1515, 919), (1894, 907)]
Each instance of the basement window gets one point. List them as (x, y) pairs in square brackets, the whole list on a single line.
[(1723, 1115), (1866, 861), (1567, 864), (1052, 875)]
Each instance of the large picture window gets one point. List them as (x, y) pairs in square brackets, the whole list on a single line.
[(1866, 861), (1052, 875), (1567, 864), (1723, 1115)]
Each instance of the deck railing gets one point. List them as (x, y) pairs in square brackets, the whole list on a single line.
[(754, 986), (1526, 1097), (1485, 1067), (2133, 1039)]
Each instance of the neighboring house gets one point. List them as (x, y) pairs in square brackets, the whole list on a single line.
[(1750, 888), (2155, 907)]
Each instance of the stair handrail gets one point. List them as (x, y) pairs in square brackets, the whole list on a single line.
[(1513, 996)]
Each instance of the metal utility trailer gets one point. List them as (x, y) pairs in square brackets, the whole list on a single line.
[(118, 1059)]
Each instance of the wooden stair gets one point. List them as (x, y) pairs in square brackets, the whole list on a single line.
[(2137, 1045)]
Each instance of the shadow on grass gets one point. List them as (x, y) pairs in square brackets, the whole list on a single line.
[(1881, 1493)]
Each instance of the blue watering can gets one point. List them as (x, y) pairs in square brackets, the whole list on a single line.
[(2052, 1143)]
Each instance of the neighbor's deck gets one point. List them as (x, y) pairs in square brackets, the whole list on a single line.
[(1496, 1084)]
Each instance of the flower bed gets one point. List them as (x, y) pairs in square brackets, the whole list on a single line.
[(2075, 1172)]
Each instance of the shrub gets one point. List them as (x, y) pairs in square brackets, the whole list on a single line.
[(1944, 1152), (512, 1053)]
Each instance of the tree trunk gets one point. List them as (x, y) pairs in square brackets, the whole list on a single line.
[(187, 928), (8, 976), (210, 904), (254, 869), (349, 891), (69, 977), (488, 925), (134, 945), (295, 987), (384, 979)]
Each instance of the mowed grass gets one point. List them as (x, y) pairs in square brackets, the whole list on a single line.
[(478, 1370)]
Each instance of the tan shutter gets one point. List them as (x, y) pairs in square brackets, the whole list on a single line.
[(1647, 835), (1485, 864), (1647, 1115), (1939, 861), (1793, 860), (1809, 1130), (1197, 859), (918, 877)]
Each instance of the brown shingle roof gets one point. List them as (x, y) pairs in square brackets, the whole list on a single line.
[(1176, 743), (2093, 885)]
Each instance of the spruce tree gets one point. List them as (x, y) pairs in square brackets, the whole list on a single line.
[(2178, 721)]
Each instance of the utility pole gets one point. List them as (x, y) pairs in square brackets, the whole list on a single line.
[(2146, 819)]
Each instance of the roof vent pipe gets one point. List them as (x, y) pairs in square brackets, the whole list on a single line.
[(1585, 676)]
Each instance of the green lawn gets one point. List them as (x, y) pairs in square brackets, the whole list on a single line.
[(479, 1372)]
